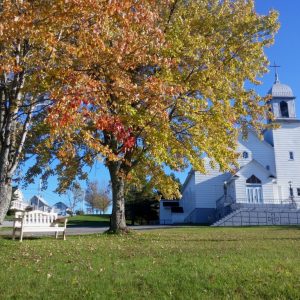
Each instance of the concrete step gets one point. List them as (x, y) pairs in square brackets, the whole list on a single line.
[(260, 216)]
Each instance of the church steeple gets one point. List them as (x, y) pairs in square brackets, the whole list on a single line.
[(276, 73), (276, 77), (283, 100)]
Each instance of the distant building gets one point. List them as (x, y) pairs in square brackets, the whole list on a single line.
[(17, 194), (38, 203), (17, 201), (60, 208)]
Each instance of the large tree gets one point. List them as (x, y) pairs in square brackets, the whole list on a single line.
[(159, 83), (36, 43), (24, 57)]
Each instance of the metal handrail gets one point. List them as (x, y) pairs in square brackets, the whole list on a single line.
[(295, 200), (222, 200), (249, 216)]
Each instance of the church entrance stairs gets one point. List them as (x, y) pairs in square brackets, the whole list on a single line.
[(264, 215)]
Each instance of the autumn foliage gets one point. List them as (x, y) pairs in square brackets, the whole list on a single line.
[(33, 37), (147, 84), (162, 83), (164, 77)]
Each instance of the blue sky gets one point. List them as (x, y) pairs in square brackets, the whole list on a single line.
[(285, 52)]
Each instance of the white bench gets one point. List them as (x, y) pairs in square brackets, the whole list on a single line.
[(38, 221)]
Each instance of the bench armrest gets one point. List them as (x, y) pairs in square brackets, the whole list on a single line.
[(61, 221), (17, 219)]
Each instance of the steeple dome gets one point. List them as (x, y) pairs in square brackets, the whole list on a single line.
[(283, 99), (279, 90)]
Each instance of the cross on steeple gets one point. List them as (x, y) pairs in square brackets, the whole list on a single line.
[(276, 74)]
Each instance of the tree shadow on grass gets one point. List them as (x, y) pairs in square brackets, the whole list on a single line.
[(275, 227), (9, 237), (212, 240), (284, 227), (85, 223)]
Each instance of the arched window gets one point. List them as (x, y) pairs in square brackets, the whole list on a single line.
[(253, 180), (245, 155), (284, 109)]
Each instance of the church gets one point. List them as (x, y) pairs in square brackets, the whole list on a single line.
[(265, 190)]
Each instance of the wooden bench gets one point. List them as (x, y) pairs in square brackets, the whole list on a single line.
[(38, 221)]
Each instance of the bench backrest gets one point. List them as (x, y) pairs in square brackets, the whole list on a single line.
[(35, 218)]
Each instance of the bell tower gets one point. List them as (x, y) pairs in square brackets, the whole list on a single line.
[(283, 99), (285, 141)]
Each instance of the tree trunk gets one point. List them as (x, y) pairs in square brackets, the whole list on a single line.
[(5, 198), (118, 221)]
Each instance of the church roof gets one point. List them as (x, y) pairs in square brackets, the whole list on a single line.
[(40, 200), (280, 90), (257, 164)]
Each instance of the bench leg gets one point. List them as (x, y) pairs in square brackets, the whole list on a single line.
[(21, 236), (64, 235), (56, 234), (14, 234)]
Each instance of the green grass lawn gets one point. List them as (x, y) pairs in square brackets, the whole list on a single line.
[(9, 218), (89, 221), (177, 263)]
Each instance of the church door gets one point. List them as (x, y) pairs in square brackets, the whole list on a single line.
[(254, 190), (254, 194)]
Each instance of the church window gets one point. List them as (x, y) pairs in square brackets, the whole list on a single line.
[(298, 192), (284, 109), (291, 154), (253, 180), (245, 154)]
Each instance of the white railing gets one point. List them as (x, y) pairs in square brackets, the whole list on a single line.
[(294, 201), (224, 201), (228, 205), (221, 202)]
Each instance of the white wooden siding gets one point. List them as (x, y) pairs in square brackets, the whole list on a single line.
[(188, 194), (209, 187), (286, 139), (259, 150), (268, 135), (165, 215)]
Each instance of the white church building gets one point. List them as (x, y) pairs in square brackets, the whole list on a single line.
[(265, 190)]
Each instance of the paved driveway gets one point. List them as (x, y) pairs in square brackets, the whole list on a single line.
[(84, 230), (6, 224)]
